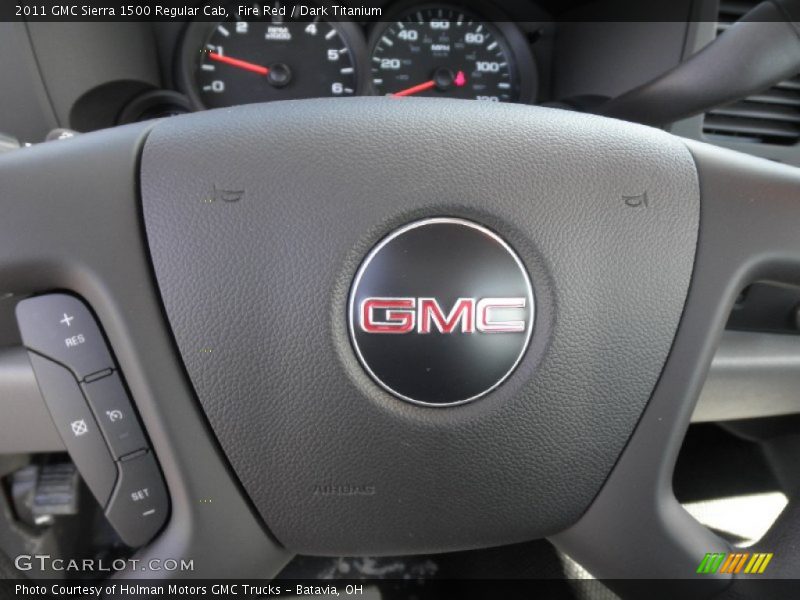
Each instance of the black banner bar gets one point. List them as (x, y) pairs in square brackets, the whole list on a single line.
[(354, 10)]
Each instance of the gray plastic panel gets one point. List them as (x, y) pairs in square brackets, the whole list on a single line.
[(752, 375), (72, 222), (608, 59), (78, 57), (256, 294), (26, 425), (25, 109)]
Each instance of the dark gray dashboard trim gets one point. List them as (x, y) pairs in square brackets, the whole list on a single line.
[(700, 34)]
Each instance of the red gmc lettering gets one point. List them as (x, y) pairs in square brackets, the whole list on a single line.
[(398, 318), (422, 315)]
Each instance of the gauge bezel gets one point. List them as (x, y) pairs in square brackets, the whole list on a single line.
[(195, 35), (514, 37)]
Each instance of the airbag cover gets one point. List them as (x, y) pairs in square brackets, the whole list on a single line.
[(258, 218)]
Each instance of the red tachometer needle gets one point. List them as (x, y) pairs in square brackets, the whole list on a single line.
[(416, 89), (241, 64)]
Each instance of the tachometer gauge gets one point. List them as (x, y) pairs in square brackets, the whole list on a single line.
[(447, 52), (274, 58)]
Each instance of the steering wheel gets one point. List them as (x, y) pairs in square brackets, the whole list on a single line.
[(223, 253)]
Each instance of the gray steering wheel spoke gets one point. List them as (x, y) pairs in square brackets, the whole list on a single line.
[(72, 221), (749, 224)]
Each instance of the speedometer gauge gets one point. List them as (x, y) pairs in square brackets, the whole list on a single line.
[(272, 58), (444, 51)]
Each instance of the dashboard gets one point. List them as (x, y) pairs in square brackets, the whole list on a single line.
[(568, 54), (437, 49), (488, 50)]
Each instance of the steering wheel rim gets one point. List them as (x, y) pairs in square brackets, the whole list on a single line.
[(748, 211), (92, 220)]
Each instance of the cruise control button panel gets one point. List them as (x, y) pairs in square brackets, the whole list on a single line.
[(109, 401), (93, 413), (138, 507), (61, 328)]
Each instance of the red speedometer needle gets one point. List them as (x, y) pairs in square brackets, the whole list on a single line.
[(416, 89), (443, 80), (241, 64)]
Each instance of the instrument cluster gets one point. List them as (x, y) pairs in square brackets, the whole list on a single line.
[(415, 49)]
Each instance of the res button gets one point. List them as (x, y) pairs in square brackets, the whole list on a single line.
[(62, 328)]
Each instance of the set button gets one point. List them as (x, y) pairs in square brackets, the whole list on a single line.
[(138, 507)]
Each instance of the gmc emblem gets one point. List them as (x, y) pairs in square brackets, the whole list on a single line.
[(441, 312), (422, 315)]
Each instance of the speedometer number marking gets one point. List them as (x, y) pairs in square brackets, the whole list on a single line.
[(443, 52)]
